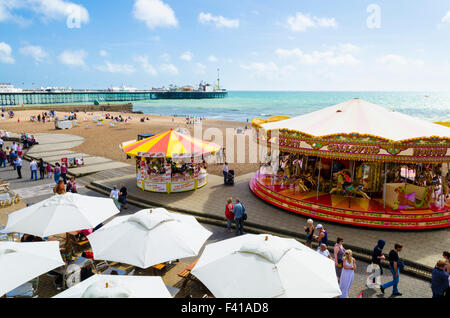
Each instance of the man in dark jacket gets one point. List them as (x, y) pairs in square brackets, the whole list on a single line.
[(439, 280), (377, 255)]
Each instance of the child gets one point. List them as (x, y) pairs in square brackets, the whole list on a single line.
[(48, 170)]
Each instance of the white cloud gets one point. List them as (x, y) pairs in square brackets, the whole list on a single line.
[(348, 48), (330, 57), (154, 13), (36, 52), (187, 56), (200, 69), (300, 22), (394, 59), (169, 69), (73, 58), (6, 53), (269, 70), (103, 53), (165, 57), (6, 14), (218, 21), (212, 58), (116, 68), (446, 17), (146, 66), (74, 14)]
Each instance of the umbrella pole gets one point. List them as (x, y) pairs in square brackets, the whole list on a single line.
[(318, 180), (384, 187)]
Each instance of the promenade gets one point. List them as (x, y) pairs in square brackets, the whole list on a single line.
[(36, 191), (421, 248)]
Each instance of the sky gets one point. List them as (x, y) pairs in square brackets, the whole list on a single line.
[(351, 45)]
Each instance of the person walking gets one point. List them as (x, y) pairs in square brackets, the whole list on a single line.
[(394, 266), (18, 166), (33, 169), (13, 156), (439, 280), (348, 273), (2, 158), (239, 212), (225, 171), (229, 214), (322, 238), (446, 256), (123, 193), (309, 229), (41, 167), (115, 196), (57, 172), (377, 255), (64, 172), (339, 252), (48, 169)]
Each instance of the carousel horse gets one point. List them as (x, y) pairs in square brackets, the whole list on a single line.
[(357, 189), (300, 183), (340, 184)]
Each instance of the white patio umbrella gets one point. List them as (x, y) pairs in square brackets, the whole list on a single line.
[(114, 286), (148, 237), (21, 262), (265, 266), (61, 213)]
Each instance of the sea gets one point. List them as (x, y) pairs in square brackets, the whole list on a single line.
[(245, 105)]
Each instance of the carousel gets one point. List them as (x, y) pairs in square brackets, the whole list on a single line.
[(170, 162), (357, 163)]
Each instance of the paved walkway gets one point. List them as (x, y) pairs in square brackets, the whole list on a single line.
[(422, 247), (53, 147), (411, 287)]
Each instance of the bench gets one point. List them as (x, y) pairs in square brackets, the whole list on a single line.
[(185, 274)]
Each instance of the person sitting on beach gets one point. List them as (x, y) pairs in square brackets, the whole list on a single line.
[(59, 188)]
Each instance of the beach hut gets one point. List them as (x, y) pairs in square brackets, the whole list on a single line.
[(148, 237), (170, 161), (265, 266), (357, 163)]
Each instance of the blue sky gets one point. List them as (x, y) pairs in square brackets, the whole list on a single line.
[(257, 44)]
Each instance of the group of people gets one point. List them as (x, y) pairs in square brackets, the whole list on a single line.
[(119, 196), (235, 213), (44, 116), (345, 264), (12, 156)]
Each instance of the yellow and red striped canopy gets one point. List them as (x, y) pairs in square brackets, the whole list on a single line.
[(170, 144)]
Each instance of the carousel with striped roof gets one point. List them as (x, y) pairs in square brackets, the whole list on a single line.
[(359, 164), (171, 161)]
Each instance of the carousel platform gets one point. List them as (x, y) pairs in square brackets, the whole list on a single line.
[(346, 210)]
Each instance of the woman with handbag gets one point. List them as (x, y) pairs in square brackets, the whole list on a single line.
[(339, 252), (229, 213)]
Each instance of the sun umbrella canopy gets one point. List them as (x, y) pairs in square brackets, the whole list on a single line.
[(21, 262), (265, 266), (113, 286), (170, 144), (148, 237), (61, 213)]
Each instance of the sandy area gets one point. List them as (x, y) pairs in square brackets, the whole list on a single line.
[(104, 140)]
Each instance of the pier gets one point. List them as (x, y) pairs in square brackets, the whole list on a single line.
[(80, 97)]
